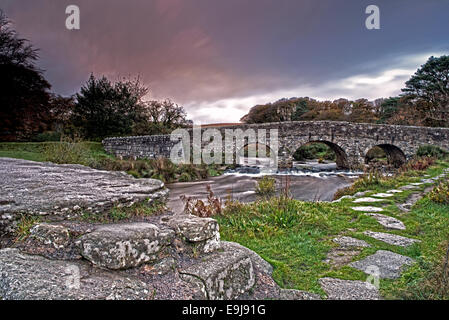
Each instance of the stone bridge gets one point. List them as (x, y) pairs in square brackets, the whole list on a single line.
[(350, 141)]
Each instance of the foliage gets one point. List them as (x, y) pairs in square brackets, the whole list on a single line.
[(371, 180), (24, 95), (104, 108), (198, 207), (431, 151), (121, 213), (266, 186), (314, 151), (24, 226), (68, 150), (417, 164), (47, 136), (431, 85), (160, 117), (388, 109), (440, 194)]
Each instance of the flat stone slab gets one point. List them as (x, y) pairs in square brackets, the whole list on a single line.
[(66, 191), (384, 264), (337, 289), (394, 191), (368, 209), (123, 246), (408, 187), (342, 198), (383, 195), (351, 242), (367, 200), (387, 221), (417, 184), (392, 239), (362, 193), (31, 277)]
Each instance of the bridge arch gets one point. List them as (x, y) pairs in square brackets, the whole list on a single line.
[(395, 155), (342, 160), (249, 153)]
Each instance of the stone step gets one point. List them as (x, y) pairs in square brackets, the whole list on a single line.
[(408, 187), (337, 289), (394, 191), (224, 275), (367, 209), (383, 264), (350, 242), (123, 246), (383, 195), (387, 221), (392, 239), (367, 200)]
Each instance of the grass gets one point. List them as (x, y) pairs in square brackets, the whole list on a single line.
[(24, 226), (40, 151), (295, 237), (120, 213), (92, 154)]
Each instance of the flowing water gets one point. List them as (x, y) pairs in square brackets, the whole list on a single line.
[(308, 182)]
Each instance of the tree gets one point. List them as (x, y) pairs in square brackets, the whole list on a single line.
[(104, 109), (160, 117), (388, 109), (429, 89), (24, 93)]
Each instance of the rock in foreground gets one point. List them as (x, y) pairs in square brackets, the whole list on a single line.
[(66, 191)]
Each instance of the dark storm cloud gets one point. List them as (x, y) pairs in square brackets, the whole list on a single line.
[(218, 58)]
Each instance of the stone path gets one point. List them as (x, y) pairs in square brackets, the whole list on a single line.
[(387, 221), (387, 264), (382, 264), (368, 209)]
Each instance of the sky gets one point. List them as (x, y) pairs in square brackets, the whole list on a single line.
[(219, 58)]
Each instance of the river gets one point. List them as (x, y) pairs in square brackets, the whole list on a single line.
[(310, 182)]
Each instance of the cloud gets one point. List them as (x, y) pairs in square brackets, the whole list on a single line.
[(220, 58), (384, 83)]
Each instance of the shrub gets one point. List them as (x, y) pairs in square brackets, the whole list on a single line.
[(266, 186), (163, 169), (417, 164), (47, 136), (185, 177), (440, 194), (69, 151), (199, 208), (431, 151)]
